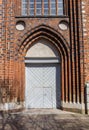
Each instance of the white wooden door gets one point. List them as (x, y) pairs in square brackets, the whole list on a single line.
[(41, 85)]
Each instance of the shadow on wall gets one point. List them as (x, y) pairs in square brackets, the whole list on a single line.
[(4, 91), (7, 91)]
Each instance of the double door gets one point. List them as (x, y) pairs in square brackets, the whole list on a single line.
[(41, 85)]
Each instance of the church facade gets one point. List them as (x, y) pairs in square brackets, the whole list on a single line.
[(44, 56)]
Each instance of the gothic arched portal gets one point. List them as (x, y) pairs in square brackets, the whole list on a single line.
[(43, 75)]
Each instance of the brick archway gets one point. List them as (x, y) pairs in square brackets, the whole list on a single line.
[(63, 47)]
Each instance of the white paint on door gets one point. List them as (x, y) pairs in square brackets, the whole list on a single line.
[(42, 84)]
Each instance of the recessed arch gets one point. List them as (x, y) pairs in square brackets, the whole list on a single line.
[(42, 31), (60, 43)]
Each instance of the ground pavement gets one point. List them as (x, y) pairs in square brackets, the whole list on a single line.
[(43, 119)]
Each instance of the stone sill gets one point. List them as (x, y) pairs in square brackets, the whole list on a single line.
[(62, 16)]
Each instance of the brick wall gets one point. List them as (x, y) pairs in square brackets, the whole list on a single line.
[(71, 43), (85, 12)]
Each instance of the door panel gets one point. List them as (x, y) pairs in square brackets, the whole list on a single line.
[(47, 98), (36, 98)]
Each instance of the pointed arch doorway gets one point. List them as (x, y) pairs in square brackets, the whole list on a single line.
[(43, 76)]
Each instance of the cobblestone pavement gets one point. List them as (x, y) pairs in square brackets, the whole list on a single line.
[(43, 120)]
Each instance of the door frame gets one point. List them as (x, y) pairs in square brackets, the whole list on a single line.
[(49, 60)]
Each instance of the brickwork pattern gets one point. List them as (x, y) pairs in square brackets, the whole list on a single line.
[(14, 45), (85, 11)]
